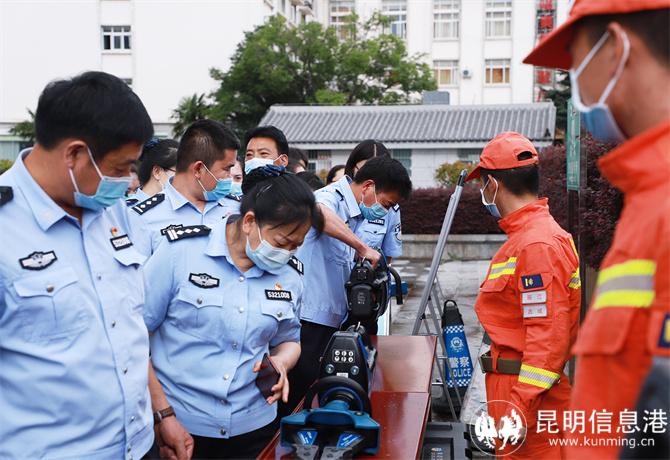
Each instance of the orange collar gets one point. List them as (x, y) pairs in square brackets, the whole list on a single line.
[(517, 220), (641, 162)]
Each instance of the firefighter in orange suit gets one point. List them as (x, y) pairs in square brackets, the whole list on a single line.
[(529, 302), (618, 54)]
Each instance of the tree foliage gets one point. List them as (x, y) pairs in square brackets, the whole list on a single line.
[(447, 174), (25, 129), (560, 95), (308, 64), (190, 109)]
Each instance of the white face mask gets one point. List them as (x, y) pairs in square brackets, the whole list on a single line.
[(491, 207)]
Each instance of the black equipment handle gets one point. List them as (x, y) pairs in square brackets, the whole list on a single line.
[(398, 284)]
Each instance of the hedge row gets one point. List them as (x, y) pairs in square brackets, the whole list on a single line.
[(424, 211)]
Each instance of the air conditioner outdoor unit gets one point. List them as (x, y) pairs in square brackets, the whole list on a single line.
[(466, 73)]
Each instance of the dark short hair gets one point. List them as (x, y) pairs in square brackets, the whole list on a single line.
[(157, 152), (311, 179), (650, 25), (270, 132), (295, 156), (96, 107), (280, 200), (205, 140), (519, 181), (388, 174), (332, 172), (367, 149)]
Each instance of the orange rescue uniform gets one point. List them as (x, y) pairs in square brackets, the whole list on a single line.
[(629, 318), (529, 306)]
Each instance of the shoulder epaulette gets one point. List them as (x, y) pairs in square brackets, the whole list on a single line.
[(179, 233), (396, 208), (131, 201), (6, 194), (234, 197), (340, 193), (149, 203), (295, 264)]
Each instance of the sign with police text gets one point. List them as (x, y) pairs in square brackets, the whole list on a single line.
[(572, 147)]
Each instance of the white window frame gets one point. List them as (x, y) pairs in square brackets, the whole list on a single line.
[(339, 11), (446, 19), (498, 12), (396, 10), (116, 32), (446, 64), (490, 65)]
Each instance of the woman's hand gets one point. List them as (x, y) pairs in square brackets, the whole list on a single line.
[(279, 389)]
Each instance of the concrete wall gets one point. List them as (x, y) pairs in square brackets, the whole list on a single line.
[(460, 247)]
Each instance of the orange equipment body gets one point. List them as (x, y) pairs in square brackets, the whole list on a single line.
[(529, 306), (628, 321)]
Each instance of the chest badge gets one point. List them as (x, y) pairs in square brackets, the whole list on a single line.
[(377, 221), (38, 260), (278, 294), (120, 242), (532, 281), (203, 280)]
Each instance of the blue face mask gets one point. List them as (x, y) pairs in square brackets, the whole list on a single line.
[(374, 212), (598, 118), (236, 188), (491, 207), (267, 257), (109, 191), (221, 190), (250, 165)]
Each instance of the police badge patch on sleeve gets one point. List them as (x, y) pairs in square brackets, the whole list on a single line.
[(397, 232), (203, 280)]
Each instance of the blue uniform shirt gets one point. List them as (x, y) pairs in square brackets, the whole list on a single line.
[(328, 261), (170, 208), (384, 233), (74, 350), (211, 324)]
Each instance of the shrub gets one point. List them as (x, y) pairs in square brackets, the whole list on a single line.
[(448, 173), (424, 211), (5, 165)]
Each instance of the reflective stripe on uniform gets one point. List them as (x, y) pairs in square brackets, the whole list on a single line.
[(503, 268), (628, 284), (575, 281), (537, 376)]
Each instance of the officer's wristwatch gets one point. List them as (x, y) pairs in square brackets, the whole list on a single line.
[(159, 415)]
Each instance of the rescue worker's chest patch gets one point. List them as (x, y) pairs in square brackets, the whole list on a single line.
[(534, 297), (664, 339), (531, 282), (278, 294), (535, 311)]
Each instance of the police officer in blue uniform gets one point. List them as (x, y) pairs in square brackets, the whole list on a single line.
[(217, 301), (265, 145), (199, 193), (74, 349), (382, 231), (158, 164), (378, 186)]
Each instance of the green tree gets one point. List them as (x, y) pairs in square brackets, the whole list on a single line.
[(25, 129), (560, 95), (5, 165), (281, 64), (189, 110), (447, 174)]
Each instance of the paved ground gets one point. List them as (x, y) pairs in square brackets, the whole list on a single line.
[(459, 281)]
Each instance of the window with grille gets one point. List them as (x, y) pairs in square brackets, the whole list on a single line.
[(404, 156), (339, 11), (498, 18), (446, 72), (446, 19), (497, 71), (396, 11), (116, 38), (319, 160)]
